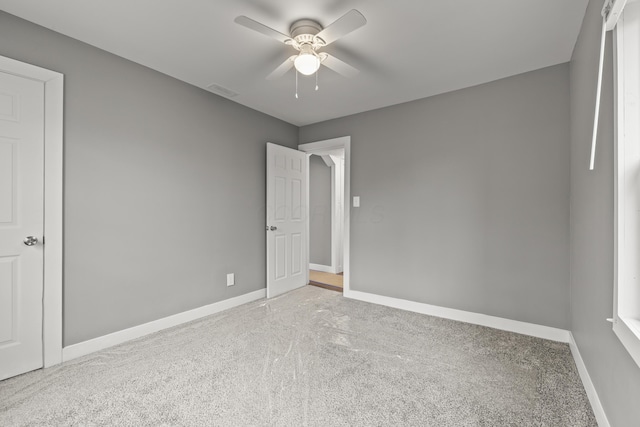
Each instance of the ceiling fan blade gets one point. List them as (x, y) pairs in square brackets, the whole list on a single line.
[(339, 66), (347, 23), (261, 28), (282, 68)]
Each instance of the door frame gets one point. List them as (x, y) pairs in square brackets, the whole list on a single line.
[(320, 147), (53, 202)]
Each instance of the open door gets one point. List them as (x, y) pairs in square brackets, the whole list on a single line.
[(21, 224), (286, 219)]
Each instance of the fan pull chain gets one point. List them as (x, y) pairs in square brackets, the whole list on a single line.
[(317, 78), (296, 83)]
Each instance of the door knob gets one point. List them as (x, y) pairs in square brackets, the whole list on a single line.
[(30, 240), (271, 228)]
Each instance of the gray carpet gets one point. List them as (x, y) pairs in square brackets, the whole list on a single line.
[(309, 358)]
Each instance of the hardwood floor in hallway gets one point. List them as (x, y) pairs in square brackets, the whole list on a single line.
[(330, 281)]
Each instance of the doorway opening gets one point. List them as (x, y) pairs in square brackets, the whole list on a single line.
[(328, 196), (326, 221)]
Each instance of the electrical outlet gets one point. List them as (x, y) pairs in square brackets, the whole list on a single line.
[(231, 279)]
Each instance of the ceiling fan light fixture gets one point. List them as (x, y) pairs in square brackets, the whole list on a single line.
[(307, 62), (307, 37)]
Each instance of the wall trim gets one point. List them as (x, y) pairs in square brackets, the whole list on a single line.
[(592, 394), (323, 268), (525, 328), (115, 338)]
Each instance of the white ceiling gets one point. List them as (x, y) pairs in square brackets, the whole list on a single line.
[(409, 49)]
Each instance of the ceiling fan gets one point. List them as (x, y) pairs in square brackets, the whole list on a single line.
[(308, 37)]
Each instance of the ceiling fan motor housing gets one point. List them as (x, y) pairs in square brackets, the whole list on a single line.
[(304, 26), (303, 31)]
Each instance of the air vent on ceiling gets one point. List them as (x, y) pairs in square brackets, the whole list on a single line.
[(217, 89)]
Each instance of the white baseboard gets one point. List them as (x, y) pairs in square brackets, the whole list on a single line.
[(100, 343), (323, 268), (540, 331), (598, 410)]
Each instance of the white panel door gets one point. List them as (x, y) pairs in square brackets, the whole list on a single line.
[(21, 216), (286, 219)]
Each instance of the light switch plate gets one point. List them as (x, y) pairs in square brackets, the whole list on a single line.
[(231, 279), (356, 201)]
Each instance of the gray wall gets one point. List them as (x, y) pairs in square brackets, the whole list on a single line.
[(613, 372), (164, 187), (465, 198), (320, 211)]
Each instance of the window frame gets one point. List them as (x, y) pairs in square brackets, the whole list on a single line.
[(626, 301)]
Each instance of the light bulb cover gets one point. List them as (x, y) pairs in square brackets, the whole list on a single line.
[(307, 63)]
